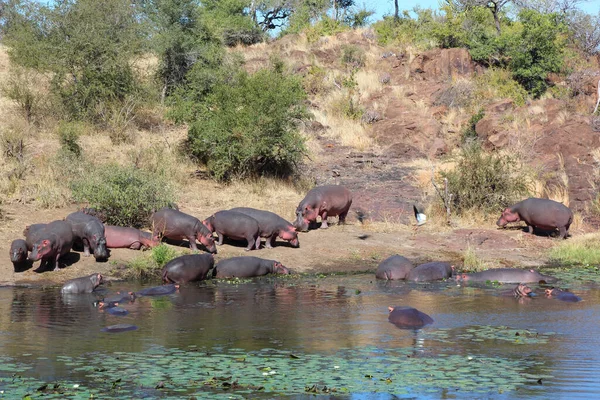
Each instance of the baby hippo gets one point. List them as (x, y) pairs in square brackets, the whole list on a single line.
[(234, 225), (18, 254), (562, 295), (188, 268), (521, 290), (85, 284), (247, 267), (408, 317)]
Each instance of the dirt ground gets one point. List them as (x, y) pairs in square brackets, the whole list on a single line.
[(351, 247)]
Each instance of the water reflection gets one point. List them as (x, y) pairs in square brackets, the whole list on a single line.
[(323, 316)]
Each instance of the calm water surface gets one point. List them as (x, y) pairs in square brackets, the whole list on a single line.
[(289, 336)]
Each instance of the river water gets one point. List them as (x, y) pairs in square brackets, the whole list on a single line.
[(300, 336)]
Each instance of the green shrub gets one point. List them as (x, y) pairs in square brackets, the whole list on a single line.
[(583, 251), (126, 195), (162, 254), (485, 181), (497, 83), (149, 265), (25, 87), (469, 132), (68, 136), (247, 127), (347, 106), (326, 26), (315, 81), (353, 57)]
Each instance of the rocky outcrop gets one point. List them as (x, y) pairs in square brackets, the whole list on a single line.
[(441, 64)]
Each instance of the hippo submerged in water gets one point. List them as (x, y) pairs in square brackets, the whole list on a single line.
[(562, 295), (395, 267), (539, 213), (507, 275), (188, 268), (432, 271), (85, 284), (324, 201), (408, 317)]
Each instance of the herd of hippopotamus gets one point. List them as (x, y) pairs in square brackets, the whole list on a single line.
[(49, 242)]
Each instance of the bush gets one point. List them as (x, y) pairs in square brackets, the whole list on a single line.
[(485, 181), (68, 136), (149, 266), (347, 106), (126, 195), (247, 127), (469, 132), (315, 81), (353, 56), (496, 83), (26, 87), (326, 26), (459, 95)]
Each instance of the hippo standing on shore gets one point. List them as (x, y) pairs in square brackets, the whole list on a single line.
[(89, 231), (18, 254), (408, 317), (562, 295), (433, 271), (85, 284), (188, 268), (271, 226), (539, 213), (324, 201), (120, 237), (247, 267), (394, 268), (49, 242), (176, 225), (507, 275), (234, 225)]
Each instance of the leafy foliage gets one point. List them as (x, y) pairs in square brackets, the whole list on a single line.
[(248, 126), (68, 136), (485, 181), (126, 195)]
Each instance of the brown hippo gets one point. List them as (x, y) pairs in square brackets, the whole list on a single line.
[(234, 225), (433, 271), (408, 317), (521, 290), (50, 242), (89, 232), (507, 275), (188, 268), (120, 237), (562, 295), (271, 226), (85, 284), (324, 201), (539, 213), (174, 224), (394, 268), (18, 254), (247, 267)]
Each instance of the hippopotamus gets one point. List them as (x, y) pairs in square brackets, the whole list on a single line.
[(85, 284), (118, 311), (507, 275), (521, 290), (234, 225), (174, 224), (394, 268), (119, 328), (324, 201), (89, 230), (539, 213), (408, 317), (271, 225), (32, 233), (188, 268), (116, 299), (50, 242), (247, 267), (562, 295), (18, 254), (120, 237), (158, 290), (433, 271)]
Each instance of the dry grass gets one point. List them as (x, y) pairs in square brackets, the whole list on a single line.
[(368, 83), (347, 132)]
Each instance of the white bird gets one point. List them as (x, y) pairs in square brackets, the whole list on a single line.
[(421, 218)]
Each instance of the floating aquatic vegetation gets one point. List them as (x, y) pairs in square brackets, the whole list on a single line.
[(575, 276), (485, 333), (161, 372)]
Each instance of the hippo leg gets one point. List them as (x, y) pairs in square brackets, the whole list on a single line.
[(56, 265), (530, 229), (251, 243), (220, 238), (135, 246), (192, 240), (343, 218), (324, 220), (563, 232), (86, 247), (270, 242)]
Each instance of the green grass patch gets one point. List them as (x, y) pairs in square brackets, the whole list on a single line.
[(148, 265), (582, 251)]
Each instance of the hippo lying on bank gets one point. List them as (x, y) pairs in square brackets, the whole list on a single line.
[(188, 268), (324, 201), (562, 295), (89, 231), (394, 268), (433, 271), (18, 254), (247, 267), (120, 237), (49, 242), (234, 225), (271, 226), (507, 275), (176, 225), (408, 317), (539, 213), (85, 284)]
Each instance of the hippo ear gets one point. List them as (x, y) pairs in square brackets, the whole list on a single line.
[(390, 309), (45, 242)]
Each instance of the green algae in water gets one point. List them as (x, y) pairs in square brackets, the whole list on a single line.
[(574, 276), (487, 333), (172, 372)]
